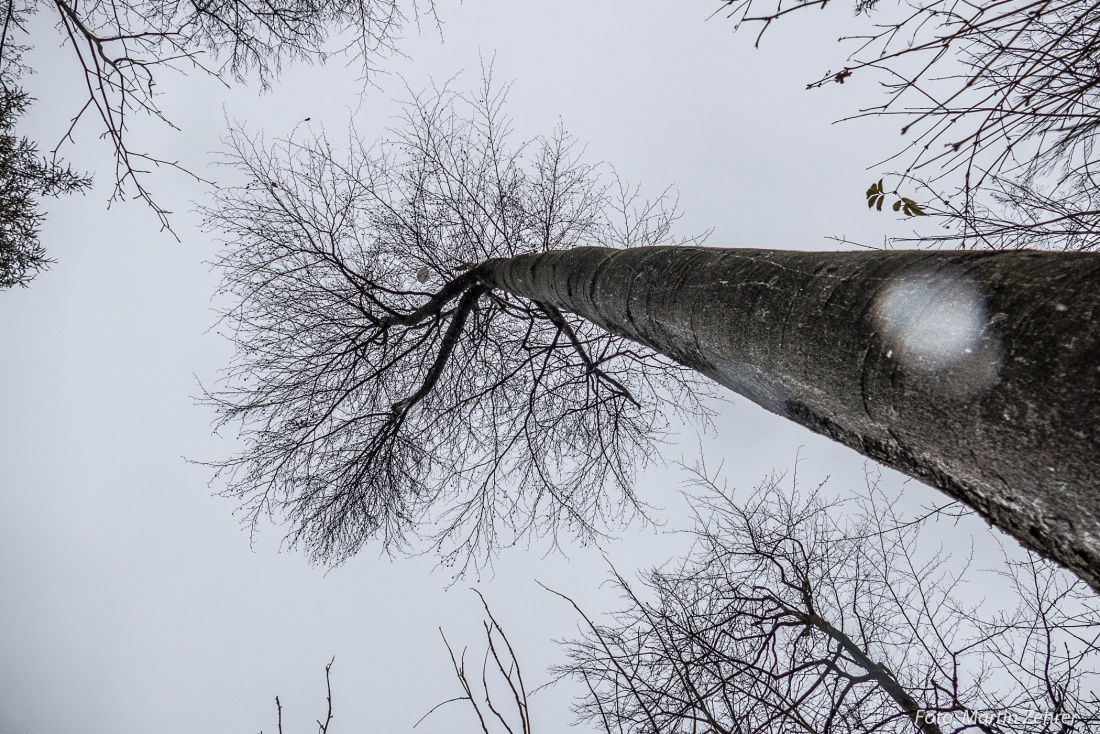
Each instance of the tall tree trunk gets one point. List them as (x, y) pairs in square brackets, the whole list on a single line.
[(976, 372)]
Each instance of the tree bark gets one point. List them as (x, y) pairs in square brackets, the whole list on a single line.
[(977, 373)]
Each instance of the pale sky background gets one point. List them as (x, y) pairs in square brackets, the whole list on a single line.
[(131, 599)]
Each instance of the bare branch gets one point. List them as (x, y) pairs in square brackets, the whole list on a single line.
[(790, 617), (381, 375)]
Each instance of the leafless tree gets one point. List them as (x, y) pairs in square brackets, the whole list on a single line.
[(999, 103), (497, 694), (806, 612), (322, 726), (24, 178), (379, 380), (795, 615), (121, 48), (1018, 213), (427, 337)]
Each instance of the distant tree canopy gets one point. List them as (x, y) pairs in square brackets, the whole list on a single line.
[(25, 176), (800, 612), (999, 105), (121, 47)]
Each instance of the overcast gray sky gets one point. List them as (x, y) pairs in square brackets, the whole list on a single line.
[(132, 601)]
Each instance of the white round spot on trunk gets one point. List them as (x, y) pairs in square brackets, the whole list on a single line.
[(933, 320)]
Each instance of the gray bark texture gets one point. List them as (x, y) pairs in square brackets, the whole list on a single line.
[(977, 373)]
